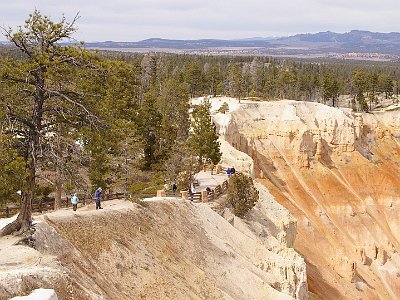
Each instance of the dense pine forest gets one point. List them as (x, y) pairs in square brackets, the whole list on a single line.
[(74, 119)]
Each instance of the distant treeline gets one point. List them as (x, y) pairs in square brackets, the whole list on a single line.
[(268, 78)]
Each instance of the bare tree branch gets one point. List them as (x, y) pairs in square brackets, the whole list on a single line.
[(64, 95), (19, 118)]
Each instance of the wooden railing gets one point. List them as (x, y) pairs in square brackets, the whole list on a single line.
[(205, 196), (42, 206), (195, 196), (217, 191)]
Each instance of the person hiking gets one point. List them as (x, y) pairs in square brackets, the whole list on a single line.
[(228, 172), (233, 170), (74, 201), (97, 195), (192, 189), (174, 188)]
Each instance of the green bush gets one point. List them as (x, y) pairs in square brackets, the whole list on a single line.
[(224, 108), (242, 195), (43, 192)]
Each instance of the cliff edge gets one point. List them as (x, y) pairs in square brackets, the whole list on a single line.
[(169, 249), (337, 174)]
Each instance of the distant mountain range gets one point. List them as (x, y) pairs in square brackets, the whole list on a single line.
[(323, 42)]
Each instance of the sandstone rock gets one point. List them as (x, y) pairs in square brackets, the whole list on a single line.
[(39, 294), (381, 257), (316, 158), (362, 257)]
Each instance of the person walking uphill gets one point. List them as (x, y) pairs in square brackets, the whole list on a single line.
[(74, 201), (97, 195)]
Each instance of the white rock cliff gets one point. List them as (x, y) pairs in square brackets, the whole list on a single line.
[(337, 174)]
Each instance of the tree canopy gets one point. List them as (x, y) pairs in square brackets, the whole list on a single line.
[(47, 89)]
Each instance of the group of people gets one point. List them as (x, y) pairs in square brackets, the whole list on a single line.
[(98, 192), (97, 196)]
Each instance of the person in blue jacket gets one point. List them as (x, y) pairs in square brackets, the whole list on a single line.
[(74, 201), (97, 195)]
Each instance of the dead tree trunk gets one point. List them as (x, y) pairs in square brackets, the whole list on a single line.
[(57, 200), (58, 181)]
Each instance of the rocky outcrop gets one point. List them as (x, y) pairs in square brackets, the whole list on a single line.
[(268, 221), (337, 174), (39, 294)]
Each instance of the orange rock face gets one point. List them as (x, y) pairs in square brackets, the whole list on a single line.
[(338, 175)]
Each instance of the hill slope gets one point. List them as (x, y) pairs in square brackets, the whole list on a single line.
[(170, 249)]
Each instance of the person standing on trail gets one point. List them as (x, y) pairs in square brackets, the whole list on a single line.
[(228, 172), (74, 201), (174, 188), (97, 195), (192, 189), (233, 170)]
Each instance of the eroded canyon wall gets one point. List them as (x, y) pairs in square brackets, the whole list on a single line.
[(338, 174)]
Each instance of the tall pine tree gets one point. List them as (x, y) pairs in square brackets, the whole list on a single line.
[(204, 138)]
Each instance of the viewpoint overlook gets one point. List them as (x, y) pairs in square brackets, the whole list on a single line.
[(326, 225)]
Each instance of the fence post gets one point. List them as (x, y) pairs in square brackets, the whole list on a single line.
[(185, 195), (161, 193), (7, 212), (84, 200), (204, 196)]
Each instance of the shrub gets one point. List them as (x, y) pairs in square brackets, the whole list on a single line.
[(242, 194), (224, 108)]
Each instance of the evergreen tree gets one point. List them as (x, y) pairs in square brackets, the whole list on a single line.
[(359, 81), (236, 81), (242, 195), (330, 88), (45, 88), (194, 78), (12, 170), (204, 139), (214, 80), (385, 84)]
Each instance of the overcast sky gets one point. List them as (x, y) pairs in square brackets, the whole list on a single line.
[(133, 20)]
